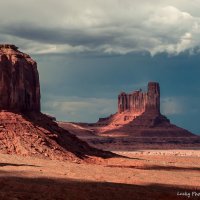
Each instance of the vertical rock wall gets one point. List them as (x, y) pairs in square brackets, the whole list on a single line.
[(153, 98), (139, 102), (19, 81)]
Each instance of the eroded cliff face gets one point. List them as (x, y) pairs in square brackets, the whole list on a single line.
[(24, 129), (19, 81), (138, 102), (153, 98), (134, 102)]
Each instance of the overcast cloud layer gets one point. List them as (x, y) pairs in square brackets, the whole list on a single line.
[(89, 51), (103, 27)]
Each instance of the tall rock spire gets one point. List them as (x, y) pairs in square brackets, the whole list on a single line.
[(153, 98)]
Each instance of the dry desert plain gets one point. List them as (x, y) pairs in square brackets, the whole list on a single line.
[(144, 175)]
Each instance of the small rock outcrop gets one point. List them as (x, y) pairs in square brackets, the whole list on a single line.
[(19, 80)]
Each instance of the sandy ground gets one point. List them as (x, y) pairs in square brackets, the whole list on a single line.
[(146, 174)]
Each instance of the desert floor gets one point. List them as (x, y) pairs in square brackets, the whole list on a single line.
[(145, 174)]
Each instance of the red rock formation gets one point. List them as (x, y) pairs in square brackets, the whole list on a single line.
[(139, 115), (35, 134), (135, 104), (139, 102), (19, 80), (24, 130), (153, 98)]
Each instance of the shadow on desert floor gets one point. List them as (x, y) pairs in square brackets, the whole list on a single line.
[(158, 167), (70, 189), (17, 165)]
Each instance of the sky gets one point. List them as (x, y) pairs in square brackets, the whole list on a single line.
[(89, 51)]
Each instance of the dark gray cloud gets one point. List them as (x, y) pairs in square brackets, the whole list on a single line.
[(55, 36), (107, 27)]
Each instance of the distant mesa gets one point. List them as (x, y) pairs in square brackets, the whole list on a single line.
[(139, 115), (24, 130)]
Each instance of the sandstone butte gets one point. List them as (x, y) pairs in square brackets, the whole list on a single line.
[(139, 115), (24, 130)]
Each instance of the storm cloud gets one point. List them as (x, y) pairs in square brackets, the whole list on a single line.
[(106, 27)]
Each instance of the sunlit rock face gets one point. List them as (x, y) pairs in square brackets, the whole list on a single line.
[(138, 102), (19, 80)]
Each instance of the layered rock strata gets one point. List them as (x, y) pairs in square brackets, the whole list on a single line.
[(139, 102), (19, 80)]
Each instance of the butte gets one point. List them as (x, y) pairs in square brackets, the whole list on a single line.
[(139, 115), (24, 130)]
